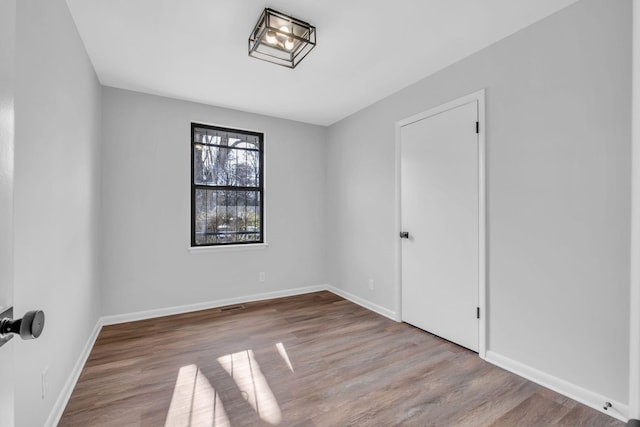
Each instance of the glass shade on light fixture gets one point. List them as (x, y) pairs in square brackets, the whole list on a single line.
[(281, 39)]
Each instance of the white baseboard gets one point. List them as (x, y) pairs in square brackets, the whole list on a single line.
[(65, 393), (168, 311), (364, 303), (573, 391)]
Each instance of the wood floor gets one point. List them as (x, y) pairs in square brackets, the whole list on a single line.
[(310, 360)]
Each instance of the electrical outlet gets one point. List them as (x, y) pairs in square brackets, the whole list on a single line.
[(262, 277), (45, 384), (371, 285)]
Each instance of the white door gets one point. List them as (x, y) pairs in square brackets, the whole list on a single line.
[(7, 34), (439, 209)]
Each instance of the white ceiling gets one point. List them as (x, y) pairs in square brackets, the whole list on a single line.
[(367, 49)]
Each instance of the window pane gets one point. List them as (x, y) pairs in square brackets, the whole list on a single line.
[(225, 138), (227, 216), (225, 166)]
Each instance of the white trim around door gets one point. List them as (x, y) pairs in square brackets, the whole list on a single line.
[(478, 96), (634, 296)]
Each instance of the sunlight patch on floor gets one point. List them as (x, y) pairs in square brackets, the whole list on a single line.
[(283, 353), (245, 371), (195, 402)]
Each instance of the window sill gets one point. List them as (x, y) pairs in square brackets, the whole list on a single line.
[(227, 248)]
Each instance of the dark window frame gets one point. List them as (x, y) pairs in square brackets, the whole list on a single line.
[(259, 189)]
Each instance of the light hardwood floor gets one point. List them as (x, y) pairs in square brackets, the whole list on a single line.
[(309, 360)]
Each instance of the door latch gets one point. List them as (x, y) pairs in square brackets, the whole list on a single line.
[(404, 234)]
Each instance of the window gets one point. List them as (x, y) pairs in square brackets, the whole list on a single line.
[(227, 196)]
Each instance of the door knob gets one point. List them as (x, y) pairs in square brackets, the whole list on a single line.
[(404, 234), (29, 327)]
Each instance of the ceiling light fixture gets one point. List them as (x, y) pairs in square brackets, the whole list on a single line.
[(281, 39)]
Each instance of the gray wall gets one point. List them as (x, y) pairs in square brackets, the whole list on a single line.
[(146, 215), (56, 200), (558, 149)]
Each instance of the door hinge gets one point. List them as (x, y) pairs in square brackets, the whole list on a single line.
[(477, 312), (477, 127)]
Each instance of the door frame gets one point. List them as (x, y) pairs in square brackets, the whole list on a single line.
[(478, 96), (634, 294)]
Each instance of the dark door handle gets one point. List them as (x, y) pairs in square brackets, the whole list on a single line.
[(404, 234), (29, 327)]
